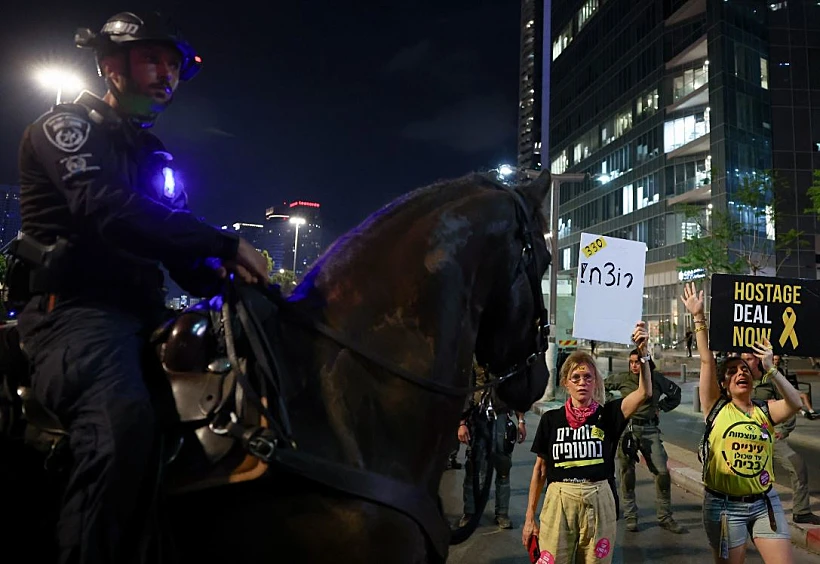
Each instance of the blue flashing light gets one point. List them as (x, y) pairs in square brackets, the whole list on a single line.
[(169, 188)]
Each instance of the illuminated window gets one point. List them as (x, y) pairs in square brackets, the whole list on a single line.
[(628, 199), (764, 73), (562, 42), (679, 132), (560, 164), (586, 12)]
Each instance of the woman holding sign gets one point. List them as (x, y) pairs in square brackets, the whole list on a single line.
[(737, 450), (576, 447)]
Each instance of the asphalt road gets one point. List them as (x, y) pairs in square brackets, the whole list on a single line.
[(651, 544)]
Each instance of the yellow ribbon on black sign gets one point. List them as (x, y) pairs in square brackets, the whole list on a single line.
[(789, 319)]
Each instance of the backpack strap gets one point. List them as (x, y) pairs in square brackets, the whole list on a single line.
[(764, 407), (703, 447)]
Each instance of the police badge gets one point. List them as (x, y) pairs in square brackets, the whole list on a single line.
[(67, 132)]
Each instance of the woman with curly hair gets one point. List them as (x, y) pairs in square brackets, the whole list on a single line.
[(738, 449), (576, 447)]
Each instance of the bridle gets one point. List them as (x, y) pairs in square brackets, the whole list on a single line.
[(274, 443)]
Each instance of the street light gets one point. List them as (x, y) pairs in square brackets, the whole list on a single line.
[(61, 80), (297, 221)]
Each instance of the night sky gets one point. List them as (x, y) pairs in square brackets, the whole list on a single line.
[(346, 103)]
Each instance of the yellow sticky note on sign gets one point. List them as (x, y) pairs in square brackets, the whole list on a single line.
[(594, 247)]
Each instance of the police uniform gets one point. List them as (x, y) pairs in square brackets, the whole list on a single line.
[(106, 187), (643, 426), (505, 434)]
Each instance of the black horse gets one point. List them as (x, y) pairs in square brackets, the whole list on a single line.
[(376, 348), (353, 386)]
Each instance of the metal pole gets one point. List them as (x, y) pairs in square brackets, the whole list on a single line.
[(683, 373), (295, 247), (557, 180), (59, 93)]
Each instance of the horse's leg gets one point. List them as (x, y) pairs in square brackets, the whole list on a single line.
[(268, 522)]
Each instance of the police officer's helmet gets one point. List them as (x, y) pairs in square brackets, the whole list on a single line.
[(127, 28)]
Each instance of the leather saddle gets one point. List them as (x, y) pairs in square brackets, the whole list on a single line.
[(203, 382), (208, 392)]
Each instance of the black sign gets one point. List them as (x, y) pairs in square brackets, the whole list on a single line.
[(745, 309)]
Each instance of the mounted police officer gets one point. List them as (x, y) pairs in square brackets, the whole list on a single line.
[(101, 211)]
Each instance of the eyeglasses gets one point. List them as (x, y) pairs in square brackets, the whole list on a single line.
[(576, 378)]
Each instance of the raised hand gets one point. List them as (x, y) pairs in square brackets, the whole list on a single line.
[(763, 351), (639, 336), (692, 299)]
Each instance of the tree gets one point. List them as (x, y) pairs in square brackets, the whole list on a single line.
[(707, 247), (268, 258), (814, 194), (286, 280), (743, 239)]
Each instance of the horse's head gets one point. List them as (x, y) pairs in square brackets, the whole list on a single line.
[(512, 336)]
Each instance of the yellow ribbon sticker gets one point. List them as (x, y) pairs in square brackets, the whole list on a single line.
[(594, 247), (597, 433), (789, 319)]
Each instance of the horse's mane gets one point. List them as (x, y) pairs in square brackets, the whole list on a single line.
[(414, 204)]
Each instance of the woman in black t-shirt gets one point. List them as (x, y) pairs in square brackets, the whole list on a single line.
[(576, 446)]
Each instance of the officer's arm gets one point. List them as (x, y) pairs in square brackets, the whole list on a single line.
[(88, 175)]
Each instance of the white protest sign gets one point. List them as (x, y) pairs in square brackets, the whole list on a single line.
[(609, 291)]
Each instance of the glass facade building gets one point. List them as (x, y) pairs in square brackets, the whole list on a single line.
[(671, 102), (529, 87)]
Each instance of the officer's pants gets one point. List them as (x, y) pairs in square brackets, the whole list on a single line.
[(502, 463), (651, 446), (87, 369), (798, 473)]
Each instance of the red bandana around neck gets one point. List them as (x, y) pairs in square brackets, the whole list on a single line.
[(577, 416)]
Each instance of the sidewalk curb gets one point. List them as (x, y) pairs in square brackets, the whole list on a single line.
[(689, 479)]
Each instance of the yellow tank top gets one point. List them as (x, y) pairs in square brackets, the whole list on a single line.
[(740, 452)]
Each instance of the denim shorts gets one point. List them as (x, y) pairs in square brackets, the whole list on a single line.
[(743, 519)]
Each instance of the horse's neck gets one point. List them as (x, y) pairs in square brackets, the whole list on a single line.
[(418, 310)]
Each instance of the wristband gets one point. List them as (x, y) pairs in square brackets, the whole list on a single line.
[(769, 373), (701, 328)]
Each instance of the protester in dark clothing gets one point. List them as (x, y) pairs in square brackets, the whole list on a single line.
[(689, 338)]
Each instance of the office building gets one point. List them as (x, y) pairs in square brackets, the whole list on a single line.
[(275, 236), (10, 219), (307, 237), (530, 85), (280, 234), (671, 102)]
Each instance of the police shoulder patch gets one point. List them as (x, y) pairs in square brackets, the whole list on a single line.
[(68, 132)]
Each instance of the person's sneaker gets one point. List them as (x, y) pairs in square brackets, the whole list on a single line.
[(503, 522), (632, 524), (807, 519), (673, 526), (464, 520)]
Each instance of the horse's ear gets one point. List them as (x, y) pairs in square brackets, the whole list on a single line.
[(538, 190)]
